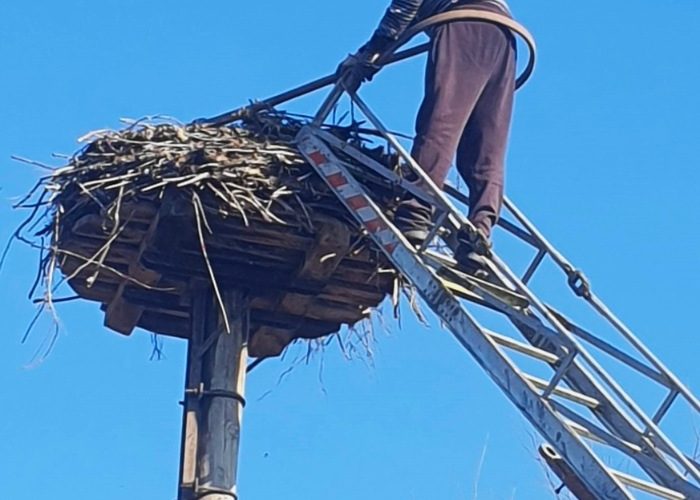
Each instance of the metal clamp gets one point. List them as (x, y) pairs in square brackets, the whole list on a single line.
[(579, 282), (202, 492), (216, 393)]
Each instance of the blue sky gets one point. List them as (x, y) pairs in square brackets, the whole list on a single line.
[(603, 157)]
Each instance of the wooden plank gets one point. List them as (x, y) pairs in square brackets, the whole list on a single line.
[(316, 284), (285, 320), (191, 406), (122, 315), (363, 287), (268, 341), (162, 324), (352, 270), (311, 307), (223, 377), (257, 240), (331, 245), (92, 226)]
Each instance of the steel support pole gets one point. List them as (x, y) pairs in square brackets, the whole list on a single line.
[(213, 406)]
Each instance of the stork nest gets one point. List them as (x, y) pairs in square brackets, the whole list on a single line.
[(250, 171), (252, 168)]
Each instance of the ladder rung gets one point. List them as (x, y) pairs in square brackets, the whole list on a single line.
[(648, 487), (523, 348), (502, 296), (459, 290), (588, 434), (574, 396)]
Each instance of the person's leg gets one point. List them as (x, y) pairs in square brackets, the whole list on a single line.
[(454, 81), (482, 148)]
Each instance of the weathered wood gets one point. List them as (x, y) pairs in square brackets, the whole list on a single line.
[(331, 246), (271, 340), (302, 284), (223, 371), (163, 324), (214, 396), (191, 403), (121, 315)]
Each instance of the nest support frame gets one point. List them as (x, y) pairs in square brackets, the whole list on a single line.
[(301, 282)]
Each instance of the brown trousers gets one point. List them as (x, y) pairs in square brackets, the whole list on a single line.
[(467, 110)]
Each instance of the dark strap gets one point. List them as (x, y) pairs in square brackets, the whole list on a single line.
[(464, 14), (486, 5)]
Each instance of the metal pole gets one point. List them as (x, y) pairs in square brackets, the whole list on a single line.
[(214, 397)]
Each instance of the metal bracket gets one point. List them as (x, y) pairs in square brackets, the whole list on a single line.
[(204, 393)]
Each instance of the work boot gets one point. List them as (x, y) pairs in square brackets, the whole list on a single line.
[(414, 218), (472, 254)]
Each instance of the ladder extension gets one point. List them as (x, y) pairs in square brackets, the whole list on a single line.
[(581, 409)]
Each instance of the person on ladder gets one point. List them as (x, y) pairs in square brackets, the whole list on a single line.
[(466, 111)]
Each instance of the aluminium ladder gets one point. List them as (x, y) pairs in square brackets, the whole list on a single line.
[(581, 408)]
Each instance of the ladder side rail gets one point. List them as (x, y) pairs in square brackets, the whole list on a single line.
[(545, 338), (662, 378), (693, 460), (597, 368), (531, 235), (573, 483), (610, 413), (498, 267), (603, 310), (532, 229), (424, 179), (678, 385), (666, 474), (613, 351), (649, 464), (378, 168), (434, 197), (465, 329), (544, 248), (411, 187), (463, 223), (592, 431), (542, 337)]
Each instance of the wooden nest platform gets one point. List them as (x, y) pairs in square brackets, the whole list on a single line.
[(141, 219)]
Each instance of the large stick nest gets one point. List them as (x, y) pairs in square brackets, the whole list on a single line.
[(126, 212)]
